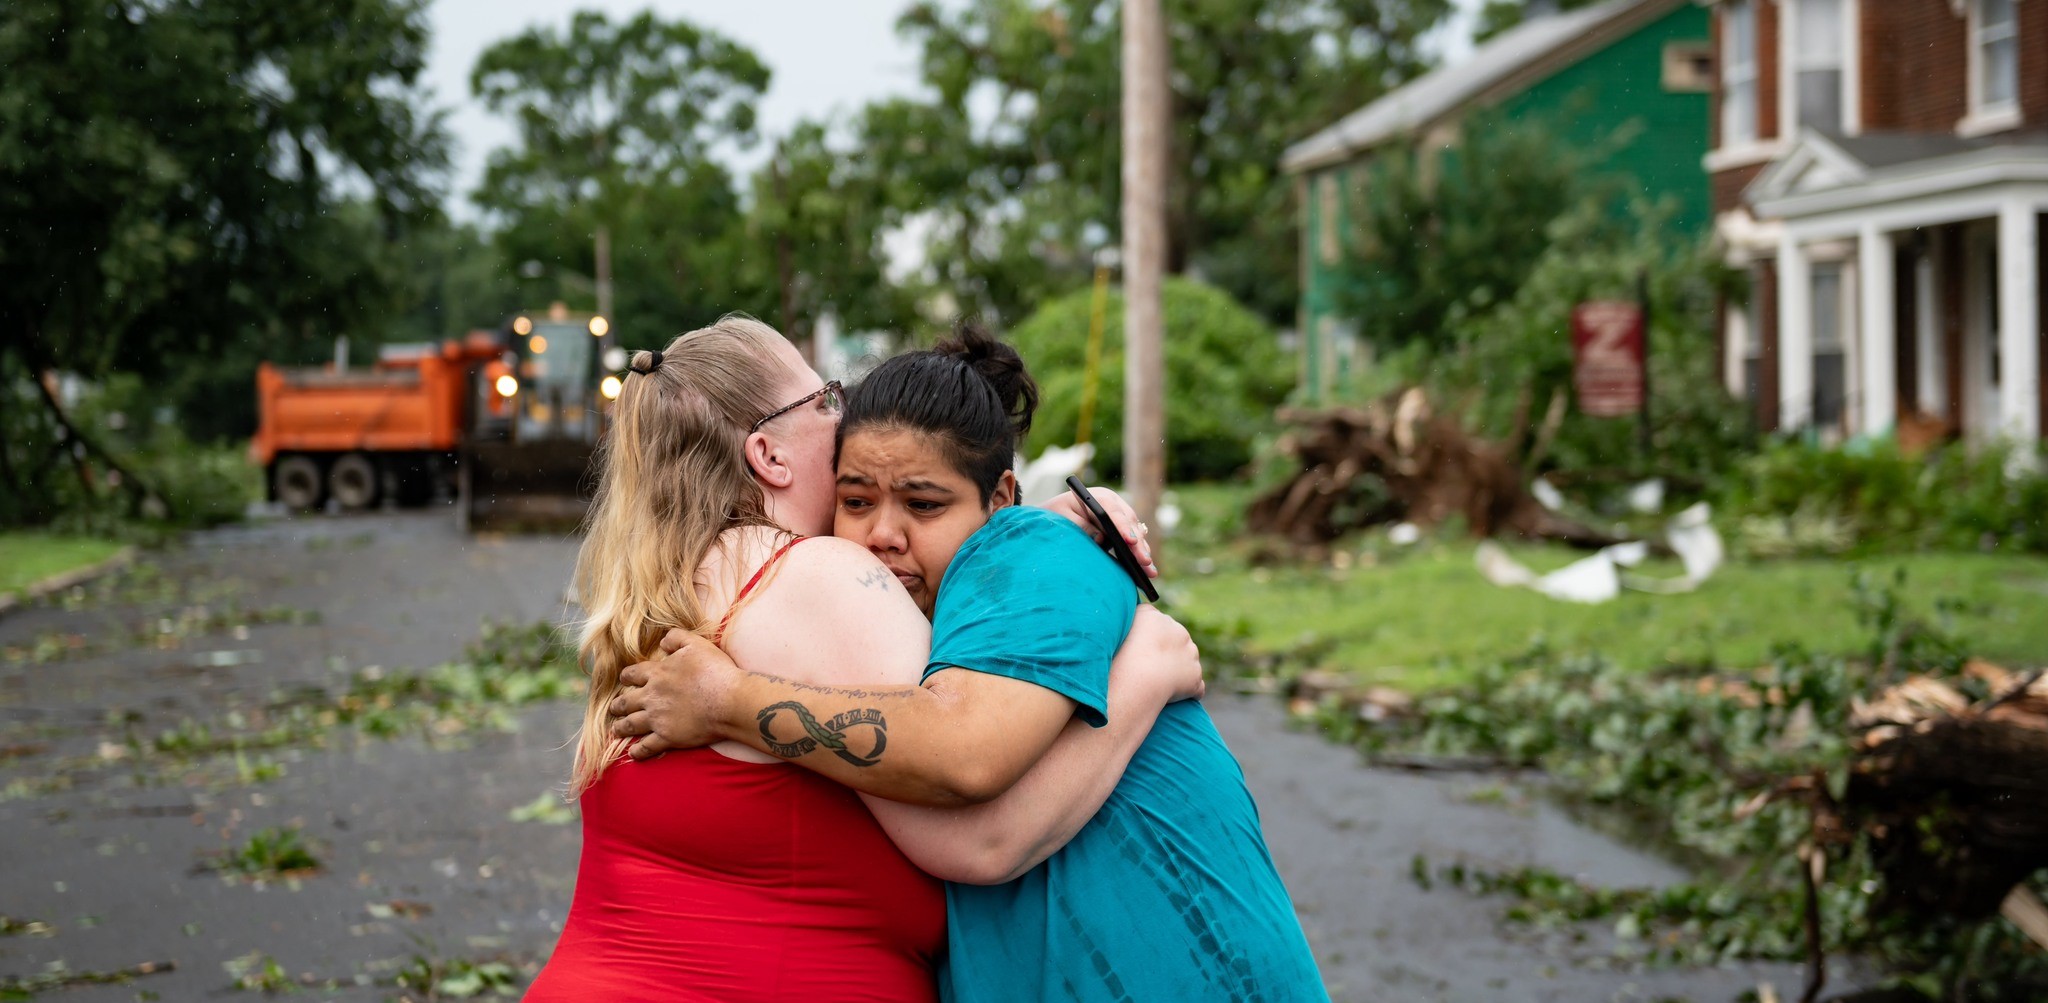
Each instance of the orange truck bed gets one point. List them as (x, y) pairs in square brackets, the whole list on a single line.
[(414, 404)]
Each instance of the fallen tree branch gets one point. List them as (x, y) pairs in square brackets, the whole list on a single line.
[(137, 486)]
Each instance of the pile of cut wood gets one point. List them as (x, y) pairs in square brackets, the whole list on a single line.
[(1951, 797), (1398, 459)]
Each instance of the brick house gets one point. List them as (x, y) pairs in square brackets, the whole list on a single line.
[(1880, 170)]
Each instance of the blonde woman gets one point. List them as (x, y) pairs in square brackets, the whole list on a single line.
[(724, 873)]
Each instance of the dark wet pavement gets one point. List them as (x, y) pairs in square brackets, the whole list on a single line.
[(423, 864)]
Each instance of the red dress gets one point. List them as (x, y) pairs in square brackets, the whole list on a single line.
[(705, 878)]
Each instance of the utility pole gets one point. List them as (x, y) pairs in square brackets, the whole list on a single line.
[(1145, 142)]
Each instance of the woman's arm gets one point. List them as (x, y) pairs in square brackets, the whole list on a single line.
[(962, 738), (849, 646), (997, 842)]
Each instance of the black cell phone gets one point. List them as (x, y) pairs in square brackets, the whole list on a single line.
[(1113, 539)]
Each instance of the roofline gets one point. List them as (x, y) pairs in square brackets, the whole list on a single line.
[(1808, 145), (1991, 165), (1596, 37)]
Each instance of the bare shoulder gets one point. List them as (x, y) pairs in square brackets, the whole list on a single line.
[(831, 614), (839, 581)]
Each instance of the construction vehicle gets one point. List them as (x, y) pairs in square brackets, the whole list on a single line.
[(502, 422), (528, 464)]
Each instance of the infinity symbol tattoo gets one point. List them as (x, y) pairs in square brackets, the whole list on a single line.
[(831, 734)]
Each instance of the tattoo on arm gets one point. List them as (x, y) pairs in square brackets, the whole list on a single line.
[(877, 578), (831, 734)]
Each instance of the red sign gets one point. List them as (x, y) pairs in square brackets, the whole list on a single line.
[(1607, 358)]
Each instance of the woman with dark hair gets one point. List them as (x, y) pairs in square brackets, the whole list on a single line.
[(1167, 891)]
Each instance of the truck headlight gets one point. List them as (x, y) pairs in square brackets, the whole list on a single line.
[(507, 385)]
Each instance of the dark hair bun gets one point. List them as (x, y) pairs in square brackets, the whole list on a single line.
[(998, 363)]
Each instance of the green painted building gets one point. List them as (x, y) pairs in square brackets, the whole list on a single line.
[(1640, 70)]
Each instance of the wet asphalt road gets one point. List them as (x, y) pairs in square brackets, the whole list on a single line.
[(424, 865)]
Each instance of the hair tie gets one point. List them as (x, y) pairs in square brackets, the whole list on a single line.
[(653, 362)]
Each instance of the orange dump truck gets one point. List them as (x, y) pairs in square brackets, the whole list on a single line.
[(394, 430)]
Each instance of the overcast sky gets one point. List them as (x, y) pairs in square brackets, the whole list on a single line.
[(828, 56)]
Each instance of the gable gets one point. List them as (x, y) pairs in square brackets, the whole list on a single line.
[(1814, 164), (1501, 68)]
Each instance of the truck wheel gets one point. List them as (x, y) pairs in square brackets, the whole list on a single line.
[(354, 482), (299, 483)]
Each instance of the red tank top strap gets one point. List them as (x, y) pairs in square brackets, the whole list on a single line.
[(739, 599)]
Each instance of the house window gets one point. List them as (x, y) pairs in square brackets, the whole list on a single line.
[(1830, 372), (1738, 73), (1688, 68), (1817, 63), (1995, 46)]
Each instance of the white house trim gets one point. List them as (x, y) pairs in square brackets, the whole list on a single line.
[(1931, 383), (1852, 67), (2019, 319), (1747, 154), (1982, 118), (1877, 337), (1745, 238), (1795, 334), (1932, 210), (1984, 123), (1976, 169), (1788, 74)]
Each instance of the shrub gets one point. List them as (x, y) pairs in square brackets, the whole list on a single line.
[(1523, 347), (1877, 498), (1225, 375)]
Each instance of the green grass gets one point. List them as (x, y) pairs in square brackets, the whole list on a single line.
[(1423, 617), (27, 558)]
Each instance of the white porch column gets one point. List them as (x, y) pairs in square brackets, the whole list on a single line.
[(1795, 335), (2019, 322), (1930, 362), (1877, 348)]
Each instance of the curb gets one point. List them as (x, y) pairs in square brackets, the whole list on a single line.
[(66, 579)]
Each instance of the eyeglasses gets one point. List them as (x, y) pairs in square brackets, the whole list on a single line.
[(831, 393)]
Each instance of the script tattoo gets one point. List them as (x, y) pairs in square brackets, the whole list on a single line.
[(831, 734), (877, 578)]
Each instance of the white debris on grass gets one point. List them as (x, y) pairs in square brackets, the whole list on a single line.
[(1043, 479), (1598, 578), (1647, 497)]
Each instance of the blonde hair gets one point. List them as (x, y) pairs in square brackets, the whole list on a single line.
[(672, 479)]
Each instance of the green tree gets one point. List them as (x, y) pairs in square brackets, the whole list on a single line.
[(175, 181), (617, 124), (814, 231), (1445, 234), (455, 281), (1018, 199), (1517, 354), (1223, 363)]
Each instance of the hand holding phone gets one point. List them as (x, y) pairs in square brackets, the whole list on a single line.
[(1112, 540)]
